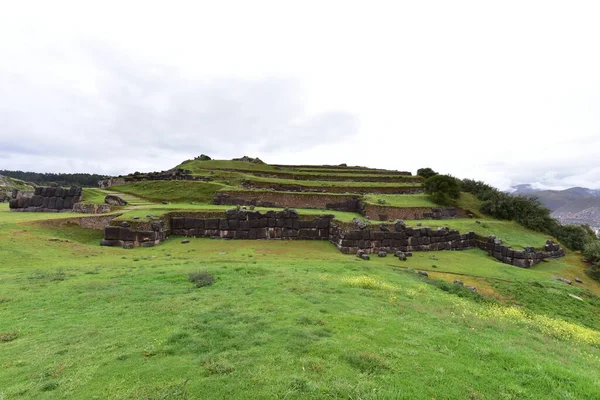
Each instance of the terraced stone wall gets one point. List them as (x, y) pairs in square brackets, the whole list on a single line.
[(254, 225), (520, 258), (350, 203), (328, 177), (386, 213), (401, 238), (236, 224), (46, 199), (283, 187)]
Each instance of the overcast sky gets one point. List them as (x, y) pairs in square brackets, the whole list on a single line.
[(504, 91)]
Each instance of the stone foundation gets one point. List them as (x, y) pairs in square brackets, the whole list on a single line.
[(288, 225)]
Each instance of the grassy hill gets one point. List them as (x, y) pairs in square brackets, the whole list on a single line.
[(8, 184), (284, 319)]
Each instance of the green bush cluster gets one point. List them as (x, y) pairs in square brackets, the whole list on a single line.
[(426, 172), (592, 250), (443, 189), (527, 211), (201, 278)]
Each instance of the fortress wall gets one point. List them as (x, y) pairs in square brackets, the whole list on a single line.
[(46, 199), (284, 187), (235, 224), (402, 238), (288, 225), (350, 203)]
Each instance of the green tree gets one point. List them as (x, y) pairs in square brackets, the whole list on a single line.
[(443, 189), (426, 172)]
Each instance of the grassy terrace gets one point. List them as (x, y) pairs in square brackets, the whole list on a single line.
[(401, 200), (310, 183), (178, 191), (203, 167), (284, 319), (161, 209)]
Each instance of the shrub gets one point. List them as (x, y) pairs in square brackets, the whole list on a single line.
[(528, 212), (426, 172), (201, 278), (591, 250), (8, 336), (443, 189)]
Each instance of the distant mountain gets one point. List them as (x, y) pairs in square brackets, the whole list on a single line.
[(574, 206)]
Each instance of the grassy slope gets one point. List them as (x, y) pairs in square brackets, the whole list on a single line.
[(202, 167), (401, 200), (328, 183), (171, 190), (96, 322)]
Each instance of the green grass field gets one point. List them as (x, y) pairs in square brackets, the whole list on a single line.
[(177, 191), (401, 200), (283, 320)]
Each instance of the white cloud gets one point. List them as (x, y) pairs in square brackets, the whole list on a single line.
[(506, 92)]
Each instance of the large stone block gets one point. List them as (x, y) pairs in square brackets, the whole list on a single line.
[(112, 233), (177, 223), (211, 224)]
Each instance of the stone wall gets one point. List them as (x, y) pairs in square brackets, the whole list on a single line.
[(520, 258), (288, 225), (89, 208), (46, 199), (255, 225), (288, 199), (176, 174), (144, 235), (303, 176), (386, 213), (284, 187), (342, 169), (399, 238), (236, 224)]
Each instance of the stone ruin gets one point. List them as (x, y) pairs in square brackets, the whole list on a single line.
[(176, 174), (348, 238), (46, 199)]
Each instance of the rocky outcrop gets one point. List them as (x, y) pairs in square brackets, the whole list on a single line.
[(255, 160), (114, 200)]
